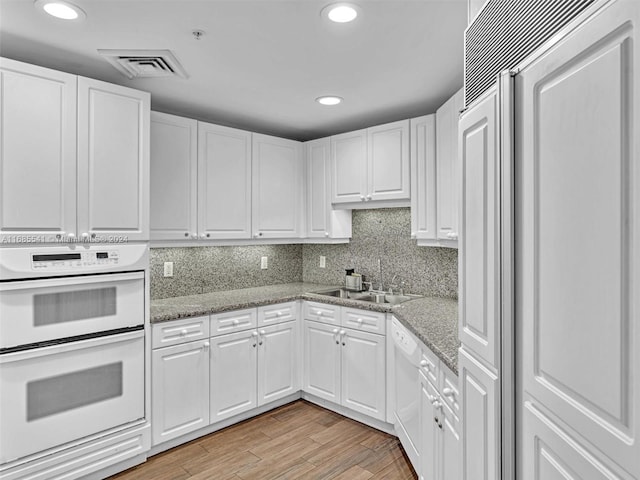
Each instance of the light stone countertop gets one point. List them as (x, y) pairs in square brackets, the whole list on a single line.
[(433, 320)]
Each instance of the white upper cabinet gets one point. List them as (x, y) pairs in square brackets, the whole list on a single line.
[(277, 187), (74, 158), (322, 221), (423, 177), (37, 152), (224, 182), (448, 169), (113, 160), (388, 162), (349, 167), (174, 164), (371, 165)]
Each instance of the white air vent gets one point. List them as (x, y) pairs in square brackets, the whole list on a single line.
[(505, 32), (145, 63)]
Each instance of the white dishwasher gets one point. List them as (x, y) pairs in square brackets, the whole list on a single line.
[(406, 389)]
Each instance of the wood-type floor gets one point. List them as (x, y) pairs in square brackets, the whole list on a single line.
[(298, 441)]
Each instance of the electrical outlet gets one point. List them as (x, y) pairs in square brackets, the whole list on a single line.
[(168, 269), (264, 263), (323, 261)]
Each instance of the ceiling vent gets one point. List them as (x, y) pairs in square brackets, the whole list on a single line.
[(145, 63)]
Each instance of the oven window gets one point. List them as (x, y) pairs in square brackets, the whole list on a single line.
[(72, 390), (51, 308)]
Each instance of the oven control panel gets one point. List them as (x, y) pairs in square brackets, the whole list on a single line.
[(75, 260)]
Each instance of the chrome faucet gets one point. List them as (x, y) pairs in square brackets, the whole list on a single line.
[(381, 288)]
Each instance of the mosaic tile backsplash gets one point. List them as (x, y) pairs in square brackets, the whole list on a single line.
[(377, 234)]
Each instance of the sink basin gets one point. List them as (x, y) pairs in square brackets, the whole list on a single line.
[(369, 297)]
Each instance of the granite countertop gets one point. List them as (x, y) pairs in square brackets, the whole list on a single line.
[(433, 320)]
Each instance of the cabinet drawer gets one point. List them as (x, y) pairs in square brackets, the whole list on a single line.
[(449, 389), (364, 320), (322, 312), (430, 366), (282, 312), (234, 321), (179, 331)]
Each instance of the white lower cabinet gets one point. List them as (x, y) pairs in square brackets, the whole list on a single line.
[(440, 455), (346, 366), (180, 390), (234, 374), (278, 371)]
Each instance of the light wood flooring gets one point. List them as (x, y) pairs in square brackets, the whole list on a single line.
[(296, 441)]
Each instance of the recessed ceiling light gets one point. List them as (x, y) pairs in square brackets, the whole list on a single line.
[(329, 100), (341, 12), (61, 9)]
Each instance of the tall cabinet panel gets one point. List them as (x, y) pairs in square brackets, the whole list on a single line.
[(448, 167), (578, 257), (113, 160), (37, 152), (423, 178), (277, 187), (174, 164), (321, 219), (224, 176)]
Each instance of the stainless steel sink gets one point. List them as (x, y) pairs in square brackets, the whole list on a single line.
[(368, 296)]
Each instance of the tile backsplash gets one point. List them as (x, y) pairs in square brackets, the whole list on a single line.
[(377, 234), (385, 234)]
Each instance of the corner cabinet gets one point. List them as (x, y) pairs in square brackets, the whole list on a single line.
[(322, 221), (75, 158), (372, 165), (277, 187), (423, 178), (448, 170)]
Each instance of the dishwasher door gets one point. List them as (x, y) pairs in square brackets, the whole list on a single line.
[(406, 390)]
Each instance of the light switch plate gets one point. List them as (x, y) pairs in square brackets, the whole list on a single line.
[(264, 263)]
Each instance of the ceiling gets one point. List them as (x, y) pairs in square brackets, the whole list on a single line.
[(261, 63)]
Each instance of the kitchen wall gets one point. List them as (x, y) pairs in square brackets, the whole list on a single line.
[(385, 234), (382, 233)]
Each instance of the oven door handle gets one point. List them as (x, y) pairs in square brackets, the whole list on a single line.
[(71, 346), (68, 281)]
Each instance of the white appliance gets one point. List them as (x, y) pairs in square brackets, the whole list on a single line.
[(406, 389), (72, 333)]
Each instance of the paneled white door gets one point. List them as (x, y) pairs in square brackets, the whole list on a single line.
[(37, 153), (113, 161), (388, 162), (224, 182), (278, 364), (349, 167), (578, 255), (233, 374), (321, 376)]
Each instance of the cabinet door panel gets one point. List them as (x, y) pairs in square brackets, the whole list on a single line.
[(113, 160), (388, 161), (37, 152), (174, 164), (318, 187), (428, 432), (480, 231), (277, 187), (349, 167), (363, 373), (224, 182), (277, 362), (448, 168), (233, 378), (321, 375), (480, 415), (578, 299), (449, 457), (180, 390), (423, 178)]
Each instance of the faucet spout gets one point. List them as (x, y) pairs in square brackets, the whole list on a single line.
[(380, 274)]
